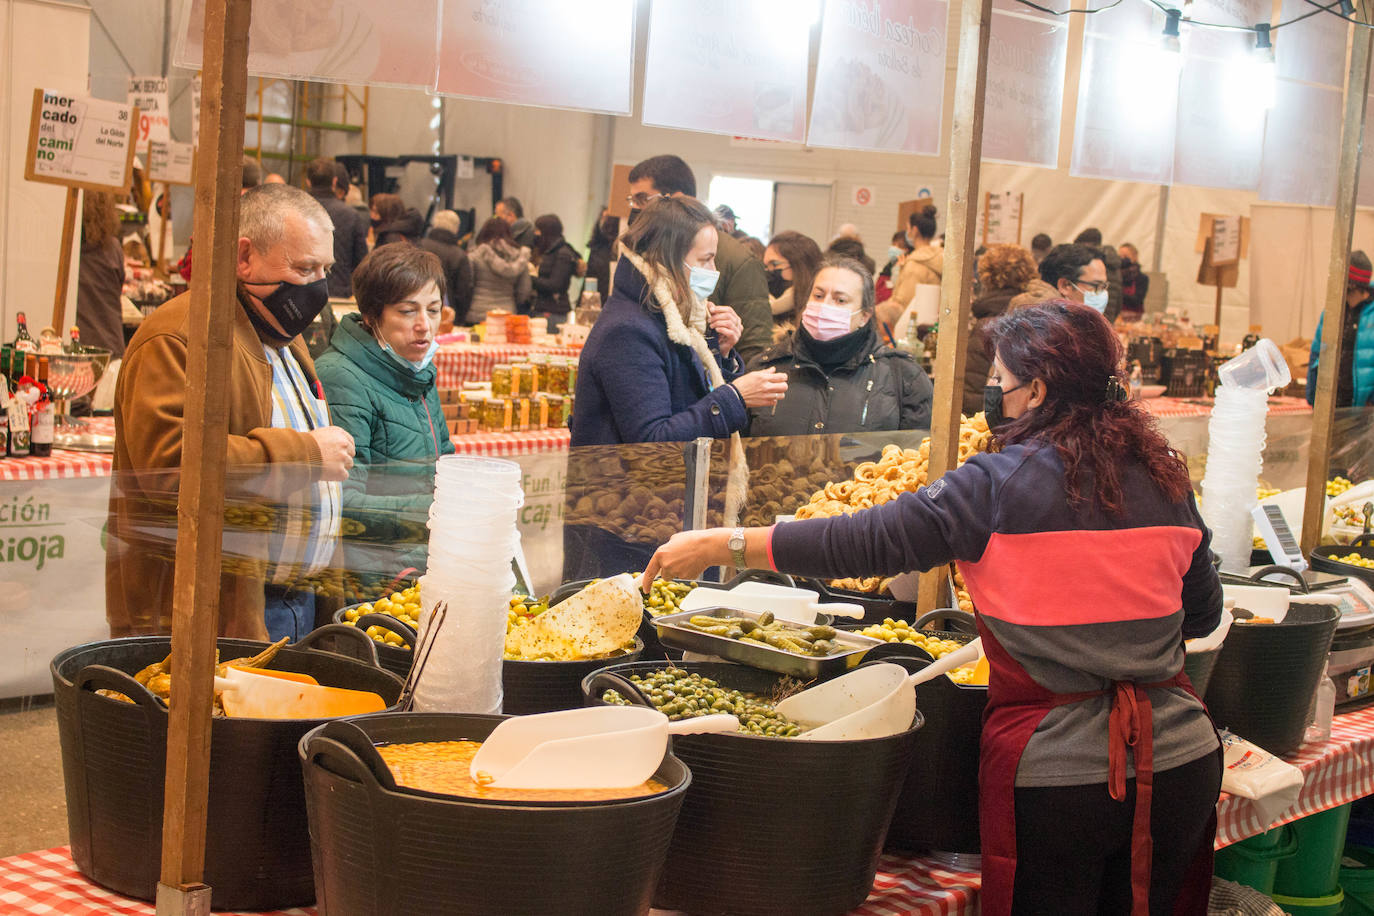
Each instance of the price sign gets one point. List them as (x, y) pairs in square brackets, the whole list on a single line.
[(195, 110), (80, 142), (149, 95), (170, 162), (1225, 240)]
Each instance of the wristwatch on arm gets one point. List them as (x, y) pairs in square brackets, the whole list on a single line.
[(736, 545)]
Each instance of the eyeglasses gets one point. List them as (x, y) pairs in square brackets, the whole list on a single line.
[(1094, 287), (642, 199)]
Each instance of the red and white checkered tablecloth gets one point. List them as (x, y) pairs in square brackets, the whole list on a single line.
[(505, 445), (1202, 407), (62, 464), (1339, 771), (472, 362), (48, 883)]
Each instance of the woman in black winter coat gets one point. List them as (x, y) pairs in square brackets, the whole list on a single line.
[(601, 252), (841, 377), (557, 262)]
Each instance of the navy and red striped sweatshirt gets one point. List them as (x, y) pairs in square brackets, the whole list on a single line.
[(1077, 597)]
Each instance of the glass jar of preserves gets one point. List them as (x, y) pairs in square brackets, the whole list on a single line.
[(556, 416), (496, 415), (557, 378), (501, 380)]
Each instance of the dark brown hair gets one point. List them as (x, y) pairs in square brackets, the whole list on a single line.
[(549, 227), (494, 230), (1074, 351), (804, 257), (662, 235), (867, 297), (389, 207), (99, 217), (390, 274)]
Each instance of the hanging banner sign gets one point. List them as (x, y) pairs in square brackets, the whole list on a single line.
[(1025, 89), (734, 67), (80, 142), (1220, 126), (880, 79), (1302, 142), (171, 163), (340, 41), (550, 53), (149, 95)]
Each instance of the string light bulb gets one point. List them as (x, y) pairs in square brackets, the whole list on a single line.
[(1170, 41), (1347, 8), (1262, 62)]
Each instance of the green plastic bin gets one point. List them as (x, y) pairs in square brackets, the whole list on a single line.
[(1255, 861), (1315, 870), (1357, 880)]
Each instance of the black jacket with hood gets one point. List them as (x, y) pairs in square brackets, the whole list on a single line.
[(875, 388)]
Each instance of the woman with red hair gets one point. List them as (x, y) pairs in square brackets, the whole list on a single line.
[(1083, 550)]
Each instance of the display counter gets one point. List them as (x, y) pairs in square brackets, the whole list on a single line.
[(473, 362)]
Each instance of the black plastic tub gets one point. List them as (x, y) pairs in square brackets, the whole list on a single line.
[(547, 686), (1324, 559), (384, 851), (777, 825), (1266, 675), (395, 659), (114, 754), (1199, 667), (938, 805), (876, 607)]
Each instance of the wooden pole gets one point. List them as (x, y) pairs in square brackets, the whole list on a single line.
[(1333, 318), (1217, 320), (162, 225), (64, 261), (200, 508), (956, 292)]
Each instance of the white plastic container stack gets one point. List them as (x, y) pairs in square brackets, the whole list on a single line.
[(472, 541), (1235, 448)]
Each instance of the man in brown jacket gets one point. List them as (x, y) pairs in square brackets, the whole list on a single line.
[(282, 451)]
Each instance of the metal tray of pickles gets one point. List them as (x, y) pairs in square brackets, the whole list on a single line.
[(758, 655)]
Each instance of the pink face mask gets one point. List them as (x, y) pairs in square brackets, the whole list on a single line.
[(825, 322)]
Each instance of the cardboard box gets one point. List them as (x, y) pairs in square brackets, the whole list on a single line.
[(1298, 353), (451, 411)]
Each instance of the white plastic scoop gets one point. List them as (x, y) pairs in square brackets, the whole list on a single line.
[(601, 747), (872, 701), (795, 605)]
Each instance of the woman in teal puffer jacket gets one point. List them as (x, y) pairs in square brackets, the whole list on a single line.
[(379, 380)]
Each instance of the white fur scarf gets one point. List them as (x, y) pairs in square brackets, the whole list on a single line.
[(692, 333)]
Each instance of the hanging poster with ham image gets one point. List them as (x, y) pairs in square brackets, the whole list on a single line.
[(341, 41), (880, 78), (550, 53), (728, 67)]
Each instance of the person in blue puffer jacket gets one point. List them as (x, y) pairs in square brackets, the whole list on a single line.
[(1355, 380)]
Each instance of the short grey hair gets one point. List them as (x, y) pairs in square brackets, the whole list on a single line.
[(446, 220), (262, 213), (868, 301)]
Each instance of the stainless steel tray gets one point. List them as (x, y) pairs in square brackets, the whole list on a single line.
[(758, 655)]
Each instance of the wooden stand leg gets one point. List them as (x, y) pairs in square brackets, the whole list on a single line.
[(956, 292), (200, 507), (64, 260)]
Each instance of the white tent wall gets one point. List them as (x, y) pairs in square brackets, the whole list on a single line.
[(43, 44)]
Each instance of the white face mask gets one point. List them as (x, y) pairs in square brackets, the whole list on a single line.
[(826, 322), (1096, 300), (417, 365), (702, 280)]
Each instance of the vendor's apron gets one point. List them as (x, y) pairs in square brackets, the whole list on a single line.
[(1016, 706)]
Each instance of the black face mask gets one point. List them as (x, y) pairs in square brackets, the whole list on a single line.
[(293, 305), (776, 284), (992, 404)]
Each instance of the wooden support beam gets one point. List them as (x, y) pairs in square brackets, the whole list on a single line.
[(200, 508), (64, 260), (1333, 317), (956, 287)]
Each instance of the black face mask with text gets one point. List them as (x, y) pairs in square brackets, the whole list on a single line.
[(294, 305)]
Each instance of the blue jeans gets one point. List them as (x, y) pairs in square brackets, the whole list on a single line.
[(289, 612)]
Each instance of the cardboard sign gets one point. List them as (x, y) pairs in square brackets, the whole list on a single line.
[(1225, 240), (195, 110), (620, 189), (1001, 218), (149, 95), (171, 163), (80, 142)]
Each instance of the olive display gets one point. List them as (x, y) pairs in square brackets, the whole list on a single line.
[(816, 641), (666, 596), (900, 631), (679, 694), (1355, 559), (403, 605)]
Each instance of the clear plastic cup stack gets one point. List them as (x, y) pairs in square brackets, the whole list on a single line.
[(472, 541)]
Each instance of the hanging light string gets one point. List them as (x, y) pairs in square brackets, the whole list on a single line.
[(1346, 12)]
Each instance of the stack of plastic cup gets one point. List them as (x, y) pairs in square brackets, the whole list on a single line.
[(1235, 449), (472, 541)]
